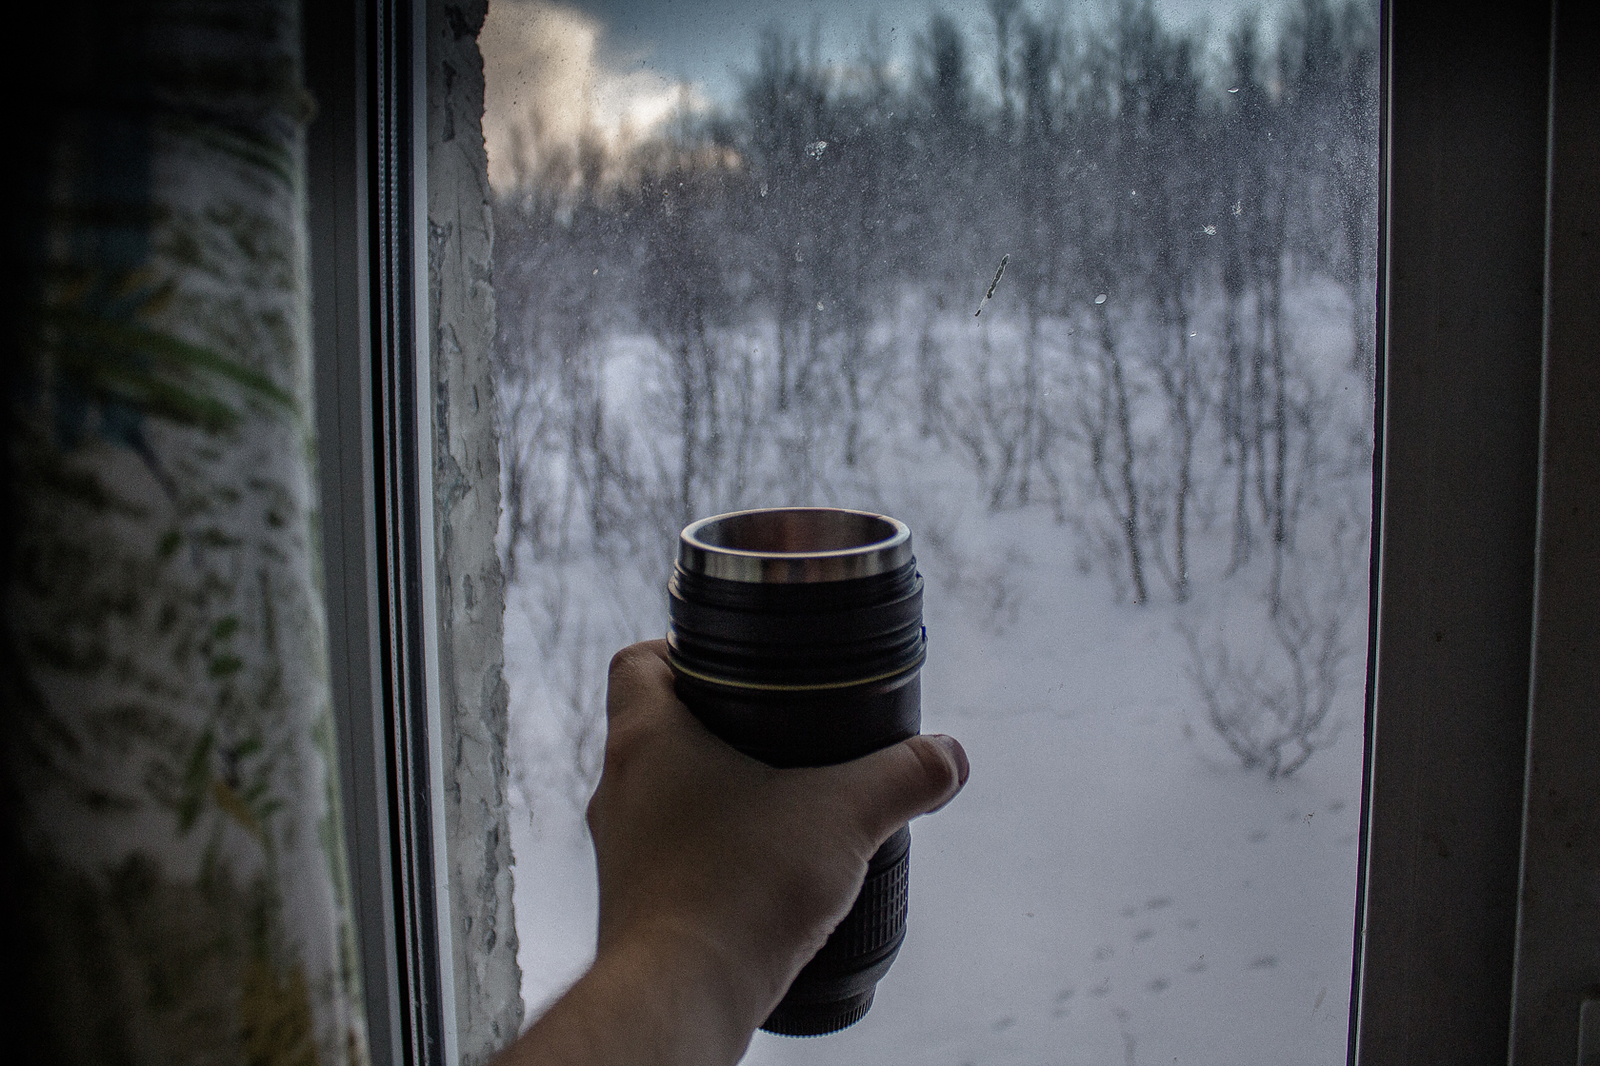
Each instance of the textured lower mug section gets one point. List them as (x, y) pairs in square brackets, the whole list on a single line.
[(835, 988), (876, 920), (818, 1019)]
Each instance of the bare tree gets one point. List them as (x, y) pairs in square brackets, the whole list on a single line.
[(1003, 13), (785, 129), (932, 371), (1172, 260), (680, 299), (558, 454), (1272, 708), (1182, 374), (1043, 256), (1246, 226), (1273, 715), (1115, 453)]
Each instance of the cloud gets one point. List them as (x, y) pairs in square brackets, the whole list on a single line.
[(546, 85)]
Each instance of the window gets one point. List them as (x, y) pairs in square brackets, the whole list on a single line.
[(1089, 303), (1453, 829)]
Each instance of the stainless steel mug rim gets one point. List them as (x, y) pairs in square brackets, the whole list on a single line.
[(794, 545)]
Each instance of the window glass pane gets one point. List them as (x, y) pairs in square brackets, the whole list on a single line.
[(1085, 294)]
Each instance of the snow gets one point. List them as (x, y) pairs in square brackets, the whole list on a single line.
[(1112, 886), (1104, 882)]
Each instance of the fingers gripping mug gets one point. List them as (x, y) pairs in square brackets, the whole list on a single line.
[(795, 634)]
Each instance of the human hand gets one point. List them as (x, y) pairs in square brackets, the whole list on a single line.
[(719, 876)]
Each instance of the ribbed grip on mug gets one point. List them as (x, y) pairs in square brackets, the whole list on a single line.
[(834, 990), (878, 918)]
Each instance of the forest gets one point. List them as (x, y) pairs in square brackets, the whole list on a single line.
[(1091, 271)]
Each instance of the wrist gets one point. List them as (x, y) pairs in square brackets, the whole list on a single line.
[(698, 994), (654, 997)]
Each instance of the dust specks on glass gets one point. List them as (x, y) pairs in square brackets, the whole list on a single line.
[(738, 250)]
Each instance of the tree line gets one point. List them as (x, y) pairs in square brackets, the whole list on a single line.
[(1130, 186), (805, 268)]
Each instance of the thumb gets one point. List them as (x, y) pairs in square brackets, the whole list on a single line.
[(895, 784)]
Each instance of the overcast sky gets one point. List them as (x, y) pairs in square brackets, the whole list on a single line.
[(706, 41), (619, 66)]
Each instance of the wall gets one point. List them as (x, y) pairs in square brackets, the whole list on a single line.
[(466, 515)]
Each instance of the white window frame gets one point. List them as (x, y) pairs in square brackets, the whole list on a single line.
[(367, 200)]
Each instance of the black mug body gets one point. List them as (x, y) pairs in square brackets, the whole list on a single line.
[(796, 636)]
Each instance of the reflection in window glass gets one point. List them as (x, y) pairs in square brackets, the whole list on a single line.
[(750, 254)]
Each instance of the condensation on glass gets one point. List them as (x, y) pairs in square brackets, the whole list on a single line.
[(1086, 296)]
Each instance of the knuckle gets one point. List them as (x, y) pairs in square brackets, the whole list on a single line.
[(930, 761), (621, 663)]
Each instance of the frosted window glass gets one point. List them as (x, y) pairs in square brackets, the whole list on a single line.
[(750, 254)]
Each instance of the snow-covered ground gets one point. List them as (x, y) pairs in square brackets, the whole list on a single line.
[(1107, 890), (1112, 887)]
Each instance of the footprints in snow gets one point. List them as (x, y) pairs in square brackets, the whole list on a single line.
[(1144, 934), (1149, 928), (1146, 921), (1151, 911), (1155, 903)]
